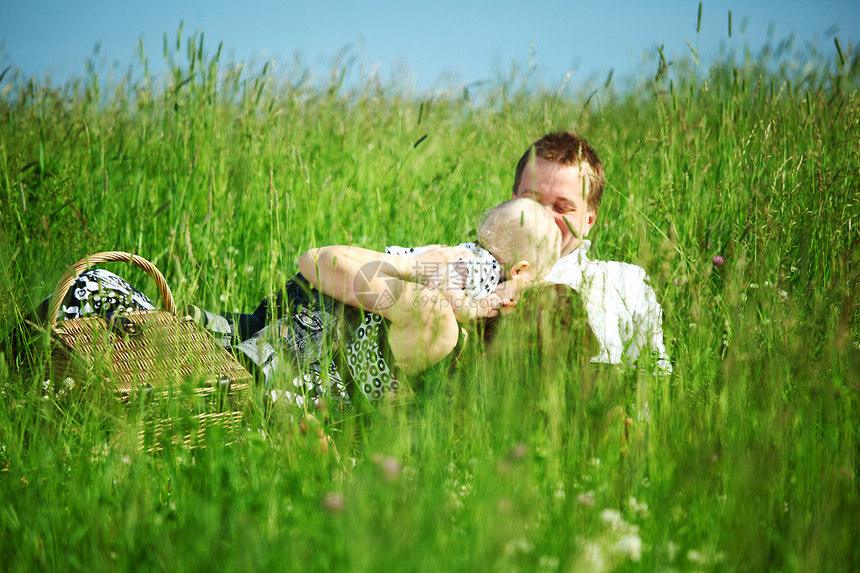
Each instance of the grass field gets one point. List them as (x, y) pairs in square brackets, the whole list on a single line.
[(735, 185)]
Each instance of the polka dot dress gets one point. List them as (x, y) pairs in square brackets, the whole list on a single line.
[(483, 272), (365, 361)]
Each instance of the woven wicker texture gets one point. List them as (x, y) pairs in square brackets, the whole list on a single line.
[(166, 350), (151, 349)]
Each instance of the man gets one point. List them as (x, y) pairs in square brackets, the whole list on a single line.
[(563, 173)]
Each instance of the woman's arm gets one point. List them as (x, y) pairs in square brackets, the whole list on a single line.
[(423, 328)]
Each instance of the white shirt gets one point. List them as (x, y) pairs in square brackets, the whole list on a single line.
[(622, 308)]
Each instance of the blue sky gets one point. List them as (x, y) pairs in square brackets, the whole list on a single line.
[(434, 43)]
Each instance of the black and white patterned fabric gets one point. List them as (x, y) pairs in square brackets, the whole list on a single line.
[(365, 360), (312, 385), (101, 292), (317, 333), (483, 272)]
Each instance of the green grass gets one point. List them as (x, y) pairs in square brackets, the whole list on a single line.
[(516, 460)]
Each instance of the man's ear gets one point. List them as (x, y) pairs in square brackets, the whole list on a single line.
[(518, 268), (590, 219)]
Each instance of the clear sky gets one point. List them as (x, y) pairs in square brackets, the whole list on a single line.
[(437, 42)]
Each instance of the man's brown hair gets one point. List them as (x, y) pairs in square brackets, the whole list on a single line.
[(567, 148)]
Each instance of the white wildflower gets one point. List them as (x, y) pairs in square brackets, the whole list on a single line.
[(630, 545), (612, 518), (637, 506)]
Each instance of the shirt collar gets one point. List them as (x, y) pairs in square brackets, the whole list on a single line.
[(579, 253)]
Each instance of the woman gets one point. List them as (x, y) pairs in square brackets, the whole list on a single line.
[(354, 320), (376, 318)]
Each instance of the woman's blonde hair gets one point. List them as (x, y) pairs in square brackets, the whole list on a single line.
[(521, 230)]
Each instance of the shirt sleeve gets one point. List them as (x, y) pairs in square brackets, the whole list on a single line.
[(648, 317), (482, 272)]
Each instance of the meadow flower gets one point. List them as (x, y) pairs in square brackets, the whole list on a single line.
[(519, 451), (389, 465), (630, 545), (611, 518), (518, 545), (719, 261), (637, 506), (333, 502)]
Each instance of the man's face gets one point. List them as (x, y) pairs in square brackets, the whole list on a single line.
[(560, 189)]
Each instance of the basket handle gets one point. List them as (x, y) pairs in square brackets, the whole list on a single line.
[(69, 278)]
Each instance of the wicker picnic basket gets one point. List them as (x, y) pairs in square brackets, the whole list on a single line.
[(153, 352)]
